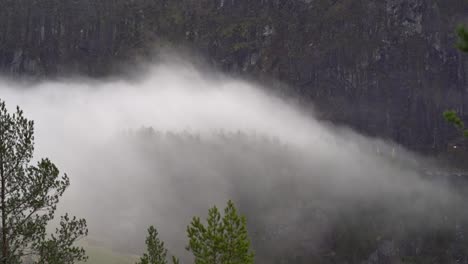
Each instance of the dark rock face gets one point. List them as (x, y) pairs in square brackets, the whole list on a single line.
[(387, 68)]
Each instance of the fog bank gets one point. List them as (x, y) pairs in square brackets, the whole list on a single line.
[(214, 138)]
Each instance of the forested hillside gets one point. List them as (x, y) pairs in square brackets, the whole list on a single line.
[(387, 68)]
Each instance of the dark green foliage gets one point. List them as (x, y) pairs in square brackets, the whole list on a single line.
[(224, 240), (450, 115), (29, 195), (462, 43), (157, 253), (453, 118)]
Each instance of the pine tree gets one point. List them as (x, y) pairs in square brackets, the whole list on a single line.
[(59, 248), (157, 253), (223, 241), (28, 197)]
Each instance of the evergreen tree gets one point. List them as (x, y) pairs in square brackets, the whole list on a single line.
[(28, 198), (157, 253), (223, 241), (59, 248)]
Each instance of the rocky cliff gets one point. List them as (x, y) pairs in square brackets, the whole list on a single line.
[(387, 68)]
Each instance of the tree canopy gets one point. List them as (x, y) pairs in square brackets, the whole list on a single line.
[(29, 195)]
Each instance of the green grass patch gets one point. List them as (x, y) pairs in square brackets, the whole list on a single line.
[(103, 255)]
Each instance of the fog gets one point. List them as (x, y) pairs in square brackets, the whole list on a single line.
[(213, 138)]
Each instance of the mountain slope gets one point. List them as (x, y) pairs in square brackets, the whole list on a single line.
[(387, 68)]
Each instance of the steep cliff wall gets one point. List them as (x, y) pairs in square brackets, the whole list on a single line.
[(387, 68)]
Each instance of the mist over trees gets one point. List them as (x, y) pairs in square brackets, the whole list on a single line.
[(331, 197), (296, 213), (29, 196), (353, 226), (394, 57)]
